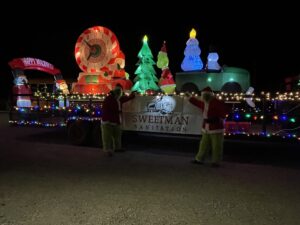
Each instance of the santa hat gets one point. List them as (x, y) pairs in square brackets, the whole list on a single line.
[(60, 81), (164, 47), (207, 90)]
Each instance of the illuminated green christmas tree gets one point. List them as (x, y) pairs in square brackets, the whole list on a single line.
[(145, 74)]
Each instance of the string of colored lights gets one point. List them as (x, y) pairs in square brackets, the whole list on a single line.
[(88, 107)]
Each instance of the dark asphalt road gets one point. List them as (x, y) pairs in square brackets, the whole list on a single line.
[(44, 180), (265, 152)]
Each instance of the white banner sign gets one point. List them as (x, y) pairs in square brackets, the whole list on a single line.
[(162, 114)]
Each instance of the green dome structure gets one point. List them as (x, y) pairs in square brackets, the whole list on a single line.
[(230, 79)]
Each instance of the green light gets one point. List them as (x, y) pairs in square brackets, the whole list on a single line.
[(292, 120), (248, 115), (231, 79), (209, 79)]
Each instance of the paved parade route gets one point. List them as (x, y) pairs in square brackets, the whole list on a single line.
[(45, 180)]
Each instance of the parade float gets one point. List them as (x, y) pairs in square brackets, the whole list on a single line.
[(156, 109), (21, 89)]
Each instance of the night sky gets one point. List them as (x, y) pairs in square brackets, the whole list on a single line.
[(263, 40)]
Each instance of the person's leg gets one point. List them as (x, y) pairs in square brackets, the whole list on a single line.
[(217, 148), (203, 147), (106, 132), (117, 138)]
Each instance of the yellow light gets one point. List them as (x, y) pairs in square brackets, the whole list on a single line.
[(145, 39), (193, 33)]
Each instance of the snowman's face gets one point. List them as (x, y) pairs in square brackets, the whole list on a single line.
[(21, 80), (61, 86), (213, 57)]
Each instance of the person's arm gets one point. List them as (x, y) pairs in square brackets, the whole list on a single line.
[(221, 110), (126, 98), (196, 102)]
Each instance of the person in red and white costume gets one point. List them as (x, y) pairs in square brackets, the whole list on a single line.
[(214, 112)]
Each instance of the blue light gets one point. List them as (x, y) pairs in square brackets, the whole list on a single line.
[(192, 60), (283, 117), (263, 133)]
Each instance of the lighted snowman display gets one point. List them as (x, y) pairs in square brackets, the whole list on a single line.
[(212, 62), (62, 87)]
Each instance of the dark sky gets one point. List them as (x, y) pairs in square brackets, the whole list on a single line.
[(263, 40)]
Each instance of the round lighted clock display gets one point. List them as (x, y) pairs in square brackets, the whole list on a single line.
[(94, 48)]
